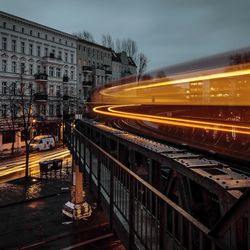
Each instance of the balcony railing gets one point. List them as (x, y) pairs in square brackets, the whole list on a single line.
[(87, 68), (66, 97), (40, 96), (52, 56), (87, 83), (147, 217), (108, 72), (41, 77), (65, 78)]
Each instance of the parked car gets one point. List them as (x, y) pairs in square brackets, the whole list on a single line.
[(42, 142)]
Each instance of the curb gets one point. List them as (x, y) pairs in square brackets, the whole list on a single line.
[(34, 199)]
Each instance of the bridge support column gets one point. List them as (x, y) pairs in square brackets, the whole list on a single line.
[(77, 208), (77, 187)]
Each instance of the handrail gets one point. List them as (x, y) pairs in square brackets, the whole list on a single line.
[(186, 215)]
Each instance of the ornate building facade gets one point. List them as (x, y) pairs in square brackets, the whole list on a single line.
[(59, 68)]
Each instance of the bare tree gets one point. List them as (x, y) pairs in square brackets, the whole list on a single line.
[(25, 100), (107, 41), (86, 35), (118, 45), (142, 62), (130, 47)]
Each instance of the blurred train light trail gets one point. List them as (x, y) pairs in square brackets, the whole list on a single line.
[(170, 121), (222, 86)]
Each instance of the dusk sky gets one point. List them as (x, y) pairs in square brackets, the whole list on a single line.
[(168, 32)]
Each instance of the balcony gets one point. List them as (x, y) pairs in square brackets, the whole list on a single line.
[(42, 77), (52, 58), (87, 83), (65, 78), (40, 97), (87, 69), (108, 72), (66, 97)]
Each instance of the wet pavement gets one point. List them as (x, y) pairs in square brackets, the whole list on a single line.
[(31, 217)]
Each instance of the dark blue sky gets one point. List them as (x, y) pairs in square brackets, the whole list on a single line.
[(167, 31)]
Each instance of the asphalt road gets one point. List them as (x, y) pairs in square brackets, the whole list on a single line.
[(14, 168)]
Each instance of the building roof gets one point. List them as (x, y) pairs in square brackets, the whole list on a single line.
[(116, 57), (93, 43), (4, 14), (131, 61)]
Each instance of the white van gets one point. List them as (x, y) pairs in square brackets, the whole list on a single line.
[(42, 142)]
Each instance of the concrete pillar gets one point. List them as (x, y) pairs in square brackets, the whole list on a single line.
[(77, 188)]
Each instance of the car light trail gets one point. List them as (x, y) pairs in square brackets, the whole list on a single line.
[(170, 121)]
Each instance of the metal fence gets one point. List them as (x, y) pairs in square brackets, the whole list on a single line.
[(150, 219)]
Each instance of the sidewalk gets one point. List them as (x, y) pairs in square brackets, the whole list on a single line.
[(31, 217)]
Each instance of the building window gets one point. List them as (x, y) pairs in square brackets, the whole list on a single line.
[(31, 69), (59, 54), (38, 50), (38, 109), (66, 57), (4, 110), (14, 27), (38, 69), (13, 45), (51, 71), (22, 68), (4, 24), (31, 49), (4, 65), (66, 91), (72, 58), (13, 88), (66, 72), (13, 67), (31, 32), (51, 110), (58, 72), (4, 43), (58, 91), (14, 110), (51, 90), (46, 37), (8, 136), (23, 47), (53, 39), (22, 30), (4, 88), (66, 42), (58, 109), (60, 40), (46, 51), (38, 34), (72, 75), (52, 54), (72, 91), (43, 109)]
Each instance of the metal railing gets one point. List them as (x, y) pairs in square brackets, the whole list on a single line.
[(151, 220)]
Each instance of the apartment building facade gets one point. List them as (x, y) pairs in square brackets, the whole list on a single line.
[(122, 66), (60, 68), (94, 68), (43, 58)]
